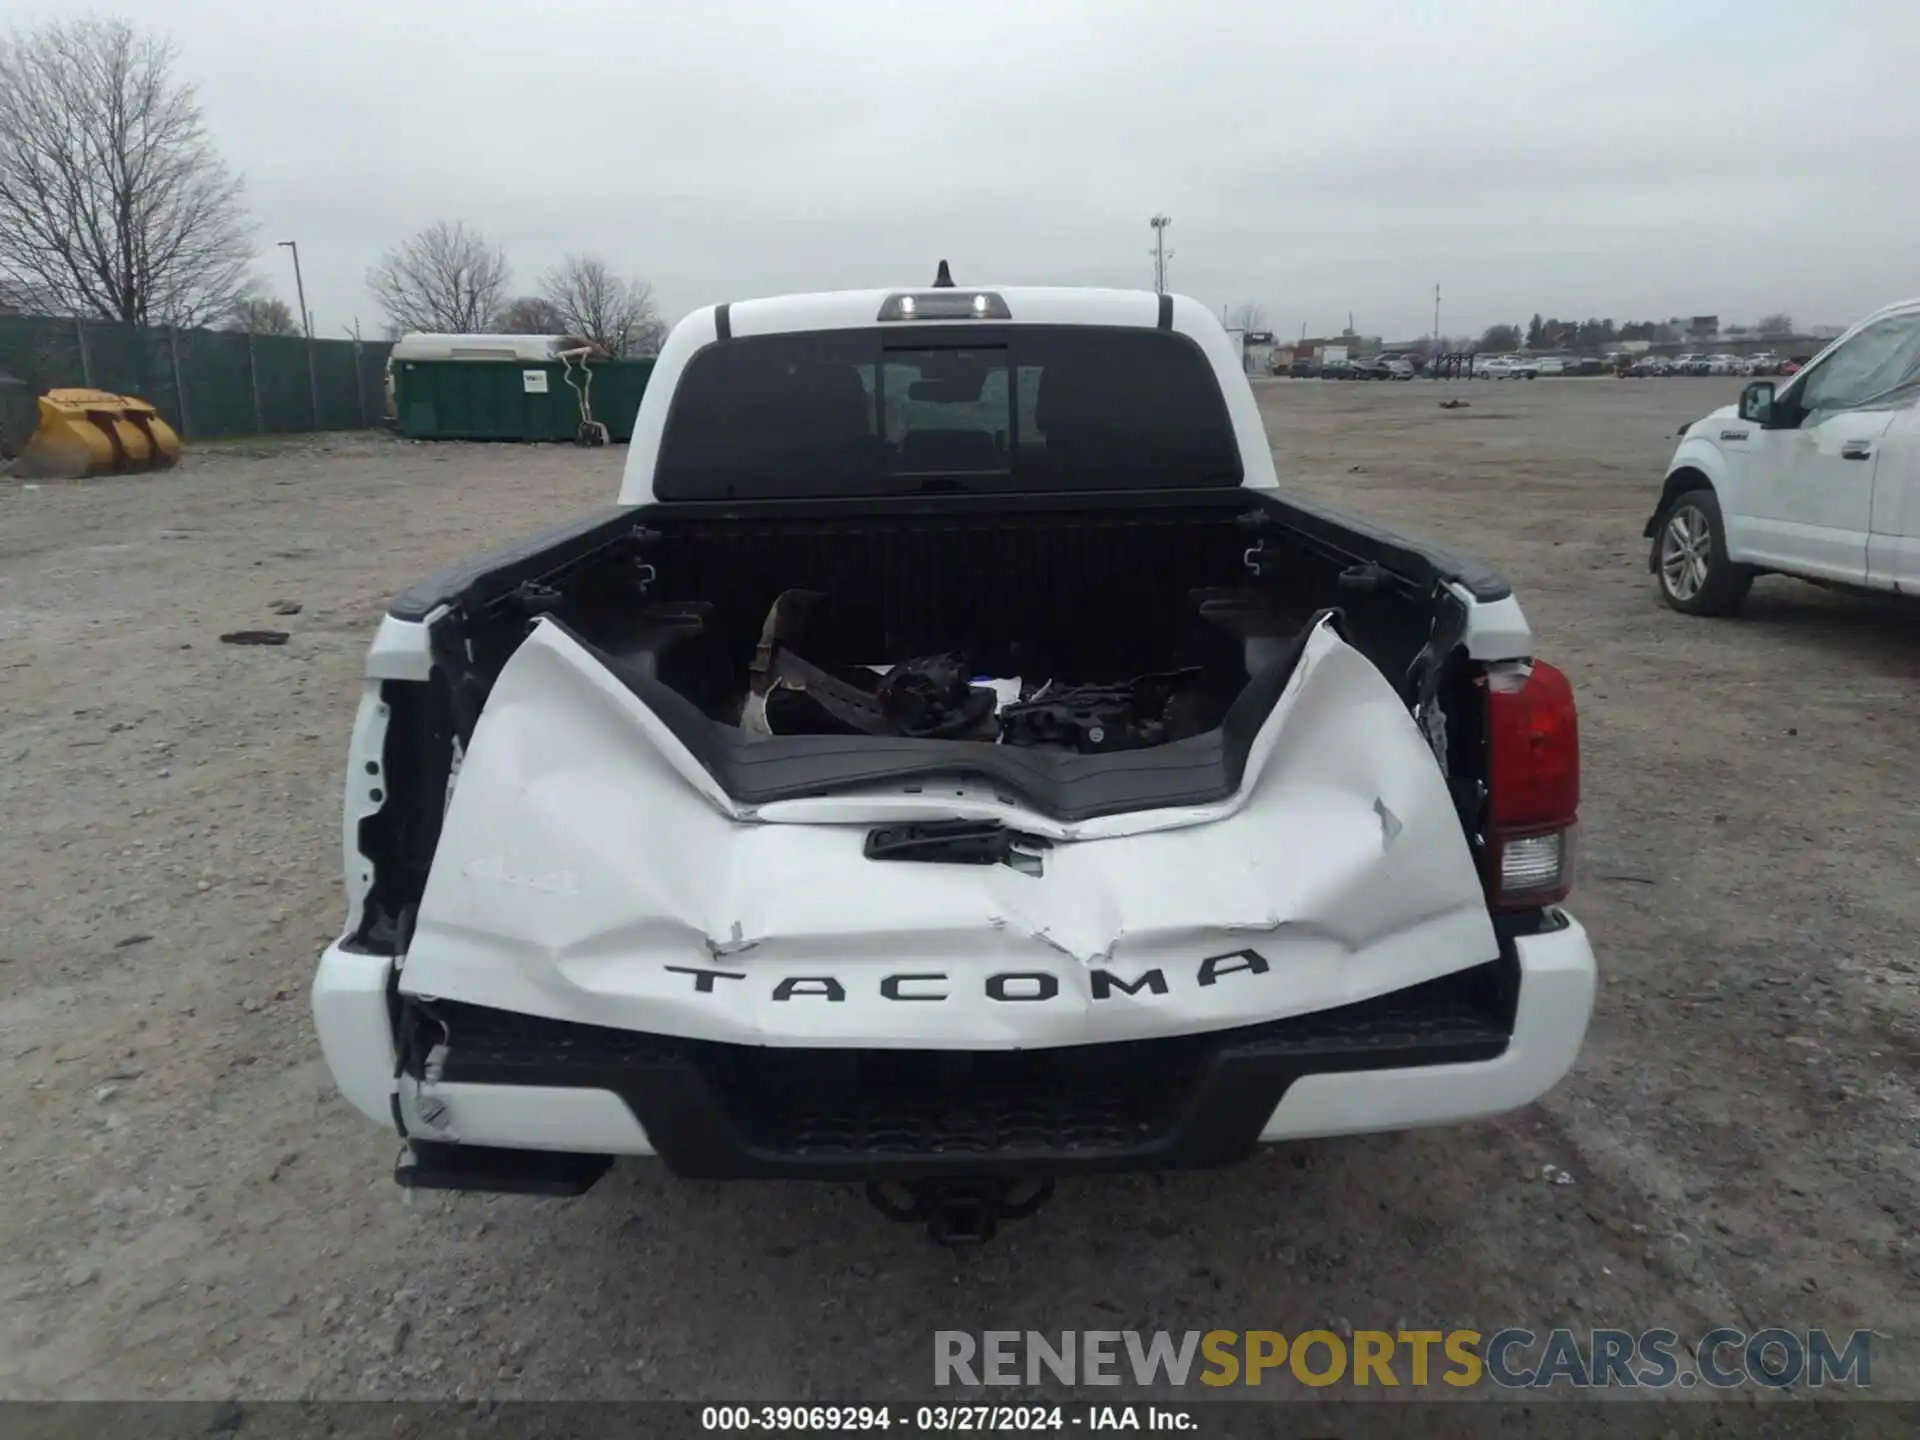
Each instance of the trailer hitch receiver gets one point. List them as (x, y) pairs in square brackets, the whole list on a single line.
[(961, 1211)]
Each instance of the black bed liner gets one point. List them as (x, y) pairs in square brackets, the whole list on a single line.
[(484, 605), (495, 573), (1060, 785)]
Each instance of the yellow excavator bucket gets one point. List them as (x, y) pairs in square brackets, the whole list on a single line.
[(89, 432)]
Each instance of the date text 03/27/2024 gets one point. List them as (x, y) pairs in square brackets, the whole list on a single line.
[(937, 1419)]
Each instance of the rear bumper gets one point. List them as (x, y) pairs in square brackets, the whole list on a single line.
[(1458, 1049)]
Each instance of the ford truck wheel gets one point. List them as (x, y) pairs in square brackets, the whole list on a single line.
[(1690, 559)]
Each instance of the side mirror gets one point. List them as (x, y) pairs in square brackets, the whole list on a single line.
[(1756, 402)]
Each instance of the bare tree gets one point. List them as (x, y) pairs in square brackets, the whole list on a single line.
[(530, 315), (618, 315), (446, 280), (1249, 317), (1777, 324), (17, 299), (113, 200), (262, 315)]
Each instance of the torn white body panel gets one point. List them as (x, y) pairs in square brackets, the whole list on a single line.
[(591, 870)]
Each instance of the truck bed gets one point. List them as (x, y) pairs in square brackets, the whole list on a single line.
[(1102, 585)]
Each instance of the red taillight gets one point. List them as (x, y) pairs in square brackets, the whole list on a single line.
[(1534, 787)]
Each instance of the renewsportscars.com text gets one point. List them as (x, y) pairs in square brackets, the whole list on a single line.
[(1658, 1359)]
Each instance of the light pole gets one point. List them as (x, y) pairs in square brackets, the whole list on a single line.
[(306, 324), (1160, 252)]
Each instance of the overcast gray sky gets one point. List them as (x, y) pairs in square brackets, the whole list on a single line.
[(1611, 158)]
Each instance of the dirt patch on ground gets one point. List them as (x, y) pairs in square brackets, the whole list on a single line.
[(188, 1209)]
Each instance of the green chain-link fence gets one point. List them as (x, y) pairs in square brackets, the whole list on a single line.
[(207, 383)]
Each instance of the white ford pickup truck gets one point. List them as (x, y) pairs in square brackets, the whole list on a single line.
[(954, 764), (1817, 478)]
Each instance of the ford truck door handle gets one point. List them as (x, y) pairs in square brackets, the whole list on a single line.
[(1856, 449)]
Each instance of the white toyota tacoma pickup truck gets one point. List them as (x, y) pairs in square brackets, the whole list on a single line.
[(954, 764), (1818, 477)]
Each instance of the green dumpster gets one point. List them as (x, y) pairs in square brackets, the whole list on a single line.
[(617, 388), (510, 387)]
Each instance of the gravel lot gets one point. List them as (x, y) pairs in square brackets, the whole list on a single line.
[(188, 1210)]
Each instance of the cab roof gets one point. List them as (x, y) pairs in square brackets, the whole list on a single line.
[(1026, 305)]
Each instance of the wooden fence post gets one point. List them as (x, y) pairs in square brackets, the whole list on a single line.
[(86, 357), (179, 385), (253, 380)]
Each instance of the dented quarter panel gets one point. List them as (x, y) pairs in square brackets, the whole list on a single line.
[(365, 780)]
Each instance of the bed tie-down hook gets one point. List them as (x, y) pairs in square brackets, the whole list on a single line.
[(643, 542), (1255, 521)]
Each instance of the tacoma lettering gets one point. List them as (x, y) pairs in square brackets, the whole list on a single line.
[(1214, 966), (824, 985), (1105, 982), (892, 988), (703, 979), (1045, 986), (1011, 987)]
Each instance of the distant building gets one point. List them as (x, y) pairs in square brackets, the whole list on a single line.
[(1704, 327), (1358, 347), (1256, 353)]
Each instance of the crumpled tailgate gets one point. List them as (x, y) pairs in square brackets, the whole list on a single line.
[(590, 870)]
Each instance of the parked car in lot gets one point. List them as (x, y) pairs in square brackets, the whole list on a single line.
[(1817, 478), (1764, 363), (1338, 370), (1554, 365), (1304, 369), (1385, 367), (620, 885), (1689, 364), (1506, 367), (1586, 365)]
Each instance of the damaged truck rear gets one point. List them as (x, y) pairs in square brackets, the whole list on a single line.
[(953, 765)]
